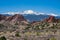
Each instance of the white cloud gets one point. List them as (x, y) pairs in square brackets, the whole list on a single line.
[(29, 12), (11, 13), (40, 13), (32, 12), (52, 14)]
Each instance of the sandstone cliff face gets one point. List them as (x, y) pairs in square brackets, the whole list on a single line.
[(16, 17), (51, 19), (20, 19), (13, 19)]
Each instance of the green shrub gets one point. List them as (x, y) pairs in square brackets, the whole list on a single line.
[(17, 34), (3, 38), (25, 38), (27, 28), (38, 34), (1, 25), (52, 38), (16, 23)]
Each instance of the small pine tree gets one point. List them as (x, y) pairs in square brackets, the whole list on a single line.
[(16, 23), (3, 38), (17, 34)]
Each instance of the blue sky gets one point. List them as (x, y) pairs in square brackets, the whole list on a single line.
[(45, 6)]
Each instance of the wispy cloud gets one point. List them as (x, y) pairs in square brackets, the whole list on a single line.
[(11, 13), (52, 14), (30, 12)]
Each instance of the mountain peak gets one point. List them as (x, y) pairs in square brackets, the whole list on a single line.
[(51, 19), (16, 17)]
